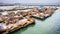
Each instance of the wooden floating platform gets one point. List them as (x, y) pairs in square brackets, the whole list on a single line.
[(29, 17)]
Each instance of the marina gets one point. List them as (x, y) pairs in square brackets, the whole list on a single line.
[(22, 18)]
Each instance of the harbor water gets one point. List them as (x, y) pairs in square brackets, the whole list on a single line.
[(51, 25)]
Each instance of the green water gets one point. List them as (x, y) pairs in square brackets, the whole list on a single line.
[(50, 25)]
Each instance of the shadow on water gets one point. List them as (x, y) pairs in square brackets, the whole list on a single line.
[(57, 31), (43, 19), (22, 29)]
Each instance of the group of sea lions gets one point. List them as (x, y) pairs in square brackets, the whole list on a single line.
[(13, 20)]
